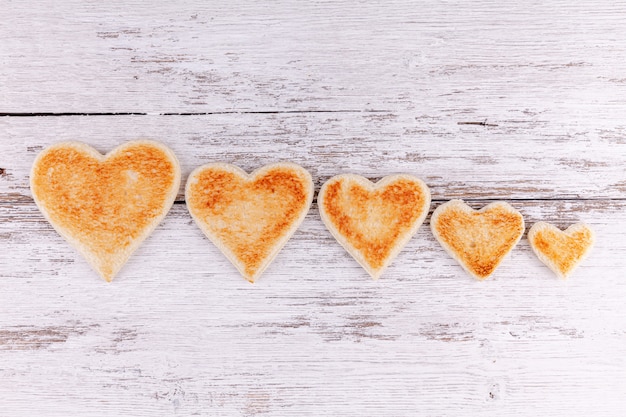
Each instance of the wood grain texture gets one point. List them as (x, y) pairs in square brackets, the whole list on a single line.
[(337, 87), (553, 60), (180, 331), (510, 161)]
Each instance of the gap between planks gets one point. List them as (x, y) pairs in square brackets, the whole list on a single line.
[(61, 114)]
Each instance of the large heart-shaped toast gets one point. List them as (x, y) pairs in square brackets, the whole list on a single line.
[(249, 217), (561, 251), (478, 239), (105, 206), (371, 221)]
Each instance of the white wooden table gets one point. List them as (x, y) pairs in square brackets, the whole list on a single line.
[(337, 87)]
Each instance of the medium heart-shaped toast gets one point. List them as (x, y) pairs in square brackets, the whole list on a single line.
[(561, 251), (249, 217), (371, 221), (105, 205), (478, 239)]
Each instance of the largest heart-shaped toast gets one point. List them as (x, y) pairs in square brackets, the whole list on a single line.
[(373, 222), (478, 239), (249, 217), (105, 206)]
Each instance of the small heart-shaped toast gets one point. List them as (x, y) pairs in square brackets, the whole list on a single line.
[(478, 239), (249, 217), (105, 205), (371, 221), (561, 251)]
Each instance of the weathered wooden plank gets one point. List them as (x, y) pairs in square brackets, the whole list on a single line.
[(509, 161), (179, 332), (485, 59)]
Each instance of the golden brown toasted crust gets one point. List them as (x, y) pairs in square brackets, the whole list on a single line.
[(373, 221), (561, 251), (249, 218), (105, 206), (478, 240)]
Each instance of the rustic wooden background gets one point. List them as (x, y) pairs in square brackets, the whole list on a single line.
[(346, 86)]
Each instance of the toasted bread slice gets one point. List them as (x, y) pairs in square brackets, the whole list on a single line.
[(561, 251), (478, 239), (373, 222), (249, 217), (105, 206)]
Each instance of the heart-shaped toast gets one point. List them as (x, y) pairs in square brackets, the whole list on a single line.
[(105, 205), (249, 217), (561, 251), (371, 221), (478, 239)]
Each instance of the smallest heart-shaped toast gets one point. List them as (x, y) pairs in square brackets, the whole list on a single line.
[(561, 251), (373, 222), (249, 217), (478, 239)]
